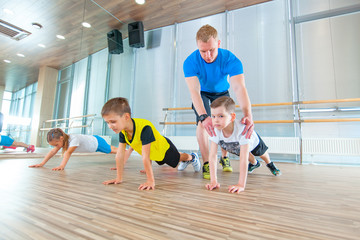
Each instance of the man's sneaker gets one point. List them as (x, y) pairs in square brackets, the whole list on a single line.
[(225, 163), (196, 162), (31, 148), (273, 169), (252, 167), (206, 171)]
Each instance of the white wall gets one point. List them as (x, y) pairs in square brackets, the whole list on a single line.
[(327, 56)]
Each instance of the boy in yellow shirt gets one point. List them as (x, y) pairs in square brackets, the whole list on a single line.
[(142, 136)]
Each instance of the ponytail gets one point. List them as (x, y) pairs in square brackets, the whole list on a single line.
[(56, 133)]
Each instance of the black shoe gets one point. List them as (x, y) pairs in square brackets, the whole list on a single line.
[(252, 167), (273, 169)]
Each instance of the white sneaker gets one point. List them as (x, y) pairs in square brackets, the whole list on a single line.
[(183, 165), (196, 162)]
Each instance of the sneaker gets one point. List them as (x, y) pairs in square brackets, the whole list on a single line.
[(196, 162), (183, 165), (225, 163), (31, 148), (252, 167), (206, 171), (273, 169)]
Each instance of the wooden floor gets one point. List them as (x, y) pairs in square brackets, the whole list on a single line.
[(306, 202)]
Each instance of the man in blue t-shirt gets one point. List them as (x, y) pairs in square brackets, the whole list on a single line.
[(206, 73)]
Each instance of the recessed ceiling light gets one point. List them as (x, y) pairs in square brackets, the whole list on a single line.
[(41, 45), (37, 25), (8, 11), (141, 2), (20, 55), (7, 61), (87, 25), (60, 36)]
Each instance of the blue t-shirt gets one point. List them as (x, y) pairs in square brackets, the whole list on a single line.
[(213, 76)]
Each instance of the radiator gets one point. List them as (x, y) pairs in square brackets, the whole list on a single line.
[(332, 146), (284, 145), (290, 145)]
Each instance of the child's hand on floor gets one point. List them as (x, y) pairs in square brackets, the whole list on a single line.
[(147, 186), (236, 189), (113, 181), (212, 186), (59, 168), (36, 165)]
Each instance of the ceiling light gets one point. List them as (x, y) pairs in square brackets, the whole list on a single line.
[(7, 61), (87, 25), (141, 2), (20, 55), (37, 25), (8, 11), (60, 37), (41, 45)]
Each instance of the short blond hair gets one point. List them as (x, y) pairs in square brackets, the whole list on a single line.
[(225, 101), (117, 105), (205, 33)]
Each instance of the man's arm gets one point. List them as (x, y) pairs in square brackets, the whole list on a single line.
[(194, 88), (238, 85)]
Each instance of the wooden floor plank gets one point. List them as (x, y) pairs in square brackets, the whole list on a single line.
[(306, 202)]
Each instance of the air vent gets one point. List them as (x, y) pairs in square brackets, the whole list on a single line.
[(12, 31)]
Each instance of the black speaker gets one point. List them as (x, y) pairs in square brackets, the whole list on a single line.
[(115, 43), (136, 34)]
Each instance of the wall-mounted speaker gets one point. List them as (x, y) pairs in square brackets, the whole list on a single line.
[(136, 34), (115, 42)]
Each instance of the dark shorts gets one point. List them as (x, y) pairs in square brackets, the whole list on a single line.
[(260, 149), (207, 99), (172, 156)]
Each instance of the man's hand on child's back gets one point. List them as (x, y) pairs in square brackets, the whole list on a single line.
[(212, 186), (207, 124), (147, 186), (236, 189), (249, 126), (113, 181)]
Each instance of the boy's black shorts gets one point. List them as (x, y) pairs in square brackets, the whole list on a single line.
[(260, 149), (207, 99), (172, 156)]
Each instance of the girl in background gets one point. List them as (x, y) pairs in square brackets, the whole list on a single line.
[(74, 143), (8, 142)]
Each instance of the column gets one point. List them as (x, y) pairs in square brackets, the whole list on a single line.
[(44, 101)]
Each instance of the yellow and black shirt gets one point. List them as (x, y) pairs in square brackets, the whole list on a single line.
[(145, 133)]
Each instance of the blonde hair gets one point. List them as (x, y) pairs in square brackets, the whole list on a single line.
[(117, 105), (56, 133), (225, 101), (205, 33)]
